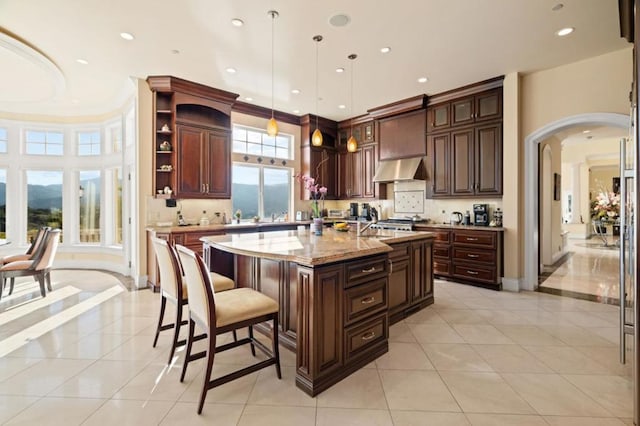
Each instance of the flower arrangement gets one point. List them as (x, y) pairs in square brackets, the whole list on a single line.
[(606, 206), (317, 193)]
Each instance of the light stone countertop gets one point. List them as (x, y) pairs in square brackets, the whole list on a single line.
[(307, 249), (229, 227), (461, 227)]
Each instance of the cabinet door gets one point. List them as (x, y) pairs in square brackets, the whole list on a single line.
[(368, 132), (344, 175), (218, 181), (368, 171), (462, 111), (417, 271), (438, 117), (439, 147), (462, 177), (191, 158), (488, 179), (488, 105), (399, 280), (356, 174), (343, 136)]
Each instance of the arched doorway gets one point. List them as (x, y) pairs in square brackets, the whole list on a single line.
[(531, 186)]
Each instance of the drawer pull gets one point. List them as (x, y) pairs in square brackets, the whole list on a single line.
[(473, 256), (472, 273), (366, 271), (369, 300), (471, 239), (370, 335)]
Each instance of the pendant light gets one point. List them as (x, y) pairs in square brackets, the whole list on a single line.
[(352, 143), (316, 137), (272, 126)]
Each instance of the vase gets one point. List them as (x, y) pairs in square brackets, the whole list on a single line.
[(317, 226)]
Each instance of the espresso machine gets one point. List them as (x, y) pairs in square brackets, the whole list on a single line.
[(353, 211), (365, 213), (481, 214)]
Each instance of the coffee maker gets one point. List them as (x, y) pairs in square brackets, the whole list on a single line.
[(481, 214), (353, 211), (365, 213)]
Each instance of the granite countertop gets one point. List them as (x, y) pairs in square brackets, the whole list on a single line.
[(449, 226), (308, 249), (225, 227)]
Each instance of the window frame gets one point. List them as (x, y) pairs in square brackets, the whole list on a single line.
[(261, 184), (91, 144), (46, 131), (263, 135)]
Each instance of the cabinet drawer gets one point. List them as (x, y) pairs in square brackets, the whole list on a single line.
[(399, 250), (367, 269), (365, 299), (361, 336), (475, 238), (476, 273), (442, 236), (475, 255), (441, 267), (440, 250), (193, 238)]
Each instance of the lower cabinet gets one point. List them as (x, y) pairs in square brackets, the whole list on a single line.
[(410, 278)]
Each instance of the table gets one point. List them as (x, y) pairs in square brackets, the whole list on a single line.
[(600, 229)]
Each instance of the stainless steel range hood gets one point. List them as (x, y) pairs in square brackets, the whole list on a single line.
[(401, 170)]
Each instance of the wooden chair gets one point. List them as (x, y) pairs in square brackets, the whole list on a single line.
[(31, 251), (219, 313), (39, 266), (174, 289)]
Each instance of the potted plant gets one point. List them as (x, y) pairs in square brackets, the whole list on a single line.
[(238, 215)]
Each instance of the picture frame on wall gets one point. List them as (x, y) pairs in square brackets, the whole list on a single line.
[(556, 187)]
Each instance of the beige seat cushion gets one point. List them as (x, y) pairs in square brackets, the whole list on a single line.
[(19, 265), (15, 258), (221, 283), (241, 304)]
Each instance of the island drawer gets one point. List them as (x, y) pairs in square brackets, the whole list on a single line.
[(476, 238), (361, 336), (474, 255), (365, 299), (365, 269), (476, 273)]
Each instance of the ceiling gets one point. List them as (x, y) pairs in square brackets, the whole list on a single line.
[(452, 42)]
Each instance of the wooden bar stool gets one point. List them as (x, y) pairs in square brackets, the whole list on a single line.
[(219, 313)]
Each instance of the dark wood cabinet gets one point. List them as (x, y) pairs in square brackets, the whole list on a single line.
[(410, 278), (320, 163), (438, 117), (462, 162), (440, 154), (488, 159), (364, 132), (403, 136), (356, 171), (467, 110), (204, 162)]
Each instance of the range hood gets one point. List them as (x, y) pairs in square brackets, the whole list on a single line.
[(401, 169)]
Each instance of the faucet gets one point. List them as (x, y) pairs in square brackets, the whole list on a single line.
[(366, 226)]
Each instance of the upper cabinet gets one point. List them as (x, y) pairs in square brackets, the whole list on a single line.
[(192, 147), (464, 141), (320, 163)]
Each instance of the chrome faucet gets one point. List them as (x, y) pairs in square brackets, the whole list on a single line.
[(367, 225)]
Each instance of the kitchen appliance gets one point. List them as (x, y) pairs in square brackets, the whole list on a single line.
[(481, 214), (405, 223), (300, 215), (335, 214), (455, 218), (497, 217), (365, 213), (353, 211), (467, 218)]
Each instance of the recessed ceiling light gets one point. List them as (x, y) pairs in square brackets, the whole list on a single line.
[(296, 111), (127, 36), (237, 22), (586, 131), (82, 61), (342, 106), (565, 31), (248, 99), (385, 50), (339, 20), (339, 70), (231, 70), (423, 80), (295, 91), (557, 7)]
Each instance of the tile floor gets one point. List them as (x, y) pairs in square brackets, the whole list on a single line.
[(83, 356)]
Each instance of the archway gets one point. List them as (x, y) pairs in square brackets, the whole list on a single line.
[(531, 236)]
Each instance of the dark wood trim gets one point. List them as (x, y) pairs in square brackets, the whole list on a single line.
[(345, 124), (398, 107), (470, 89), (324, 124), (166, 83), (625, 13), (262, 112)]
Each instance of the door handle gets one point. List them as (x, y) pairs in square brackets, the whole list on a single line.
[(368, 336), (368, 300)]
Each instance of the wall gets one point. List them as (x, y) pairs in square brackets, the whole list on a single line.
[(552, 230)]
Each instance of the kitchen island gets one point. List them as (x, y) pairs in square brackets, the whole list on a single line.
[(334, 291)]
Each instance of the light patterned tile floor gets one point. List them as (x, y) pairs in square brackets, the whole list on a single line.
[(477, 357)]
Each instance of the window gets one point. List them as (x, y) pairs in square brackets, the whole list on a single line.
[(256, 142), (3, 203), (44, 142), (114, 138), (3, 140), (44, 200), (89, 214), (89, 143), (261, 191)]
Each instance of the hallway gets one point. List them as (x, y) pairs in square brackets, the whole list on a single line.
[(83, 355)]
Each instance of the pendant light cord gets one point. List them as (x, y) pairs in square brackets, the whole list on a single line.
[(317, 39), (273, 18)]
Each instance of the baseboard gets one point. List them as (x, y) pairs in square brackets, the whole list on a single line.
[(557, 256), (511, 284)]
